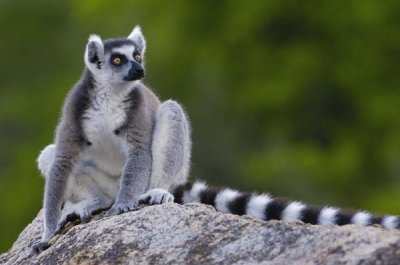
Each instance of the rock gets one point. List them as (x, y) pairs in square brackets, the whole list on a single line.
[(197, 234)]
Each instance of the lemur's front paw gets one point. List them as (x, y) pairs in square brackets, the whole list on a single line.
[(40, 246), (156, 196), (119, 208)]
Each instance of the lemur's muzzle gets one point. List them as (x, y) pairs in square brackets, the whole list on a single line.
[(135, 73)]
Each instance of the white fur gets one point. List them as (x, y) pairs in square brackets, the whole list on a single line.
[(80, 208), (95, 38), (85, 183), (46, 158), (194, 194), (160, 139), (223, 198), (293, 211), (108, 151), (257, 205), (361, 218), (100, 48), (168, 130), (88, 181), (127, 50), (84, 175), (390, 222), (136, 32), (137, 36), (327, 216), (157, 196)]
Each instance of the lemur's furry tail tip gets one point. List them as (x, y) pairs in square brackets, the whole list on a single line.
[(265, 207)]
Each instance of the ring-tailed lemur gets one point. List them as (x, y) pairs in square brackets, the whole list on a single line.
[(115, 140), (117, 146)]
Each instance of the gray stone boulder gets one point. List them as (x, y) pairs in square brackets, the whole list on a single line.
[(197, 234)]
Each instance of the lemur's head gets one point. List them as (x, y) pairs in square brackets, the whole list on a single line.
[(116, 61)]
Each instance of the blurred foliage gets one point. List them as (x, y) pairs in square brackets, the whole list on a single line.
[(298, 98)]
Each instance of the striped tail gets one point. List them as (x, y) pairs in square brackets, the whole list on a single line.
[(265, 207)]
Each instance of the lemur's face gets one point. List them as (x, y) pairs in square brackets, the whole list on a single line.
[(116, 61), (122, 61)]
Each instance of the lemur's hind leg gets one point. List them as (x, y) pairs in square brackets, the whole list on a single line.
[(171, 146), (83, 196), (171, 149), (83, 210)]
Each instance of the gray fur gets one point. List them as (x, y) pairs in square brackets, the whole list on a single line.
[(114, 142), (172, 148)]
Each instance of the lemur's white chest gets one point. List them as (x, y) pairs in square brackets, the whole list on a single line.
[(104, 116)]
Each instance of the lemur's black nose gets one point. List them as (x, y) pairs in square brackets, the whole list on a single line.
[(140, 71), (135, 72)]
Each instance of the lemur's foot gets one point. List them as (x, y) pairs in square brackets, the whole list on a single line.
[(120, 208), (75, 212), (156, 196), (65, 219), (40, 246)]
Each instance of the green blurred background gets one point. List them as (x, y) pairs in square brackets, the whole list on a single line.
[(299, 98)]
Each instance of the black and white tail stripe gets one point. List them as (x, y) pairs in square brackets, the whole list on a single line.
[(265, 207)]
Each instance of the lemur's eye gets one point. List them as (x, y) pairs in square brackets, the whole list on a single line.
[(117, 60), (137, 57)]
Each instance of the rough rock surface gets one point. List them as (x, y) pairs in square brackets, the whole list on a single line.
[(196, 234)]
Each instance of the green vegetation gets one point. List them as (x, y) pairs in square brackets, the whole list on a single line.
[(298, 98)]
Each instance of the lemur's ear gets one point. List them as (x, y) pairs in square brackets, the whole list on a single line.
[(94, 54), (138, 38)]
